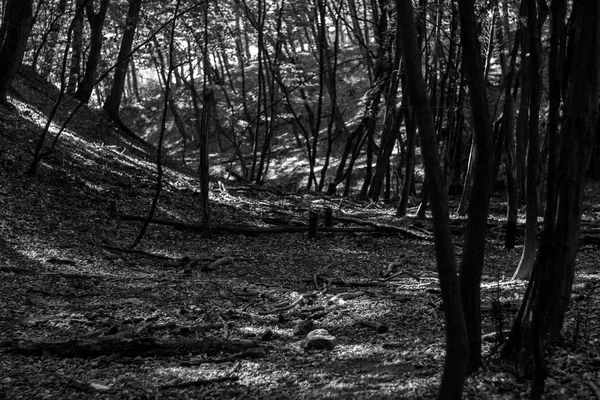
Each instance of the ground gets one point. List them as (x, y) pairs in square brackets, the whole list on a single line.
[(185, 317)]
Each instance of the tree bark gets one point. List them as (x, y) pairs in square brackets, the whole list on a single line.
[(14, 32), (113, 100), (75, 68), (473, 254), (96, 21), (533, 154), (580, 118), (455, 366)]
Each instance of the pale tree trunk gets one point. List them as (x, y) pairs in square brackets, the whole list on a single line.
[(455, 366)]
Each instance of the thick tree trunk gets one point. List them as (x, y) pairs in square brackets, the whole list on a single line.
[(113, 101), (455, 366), (14, 32), (580, 118), (545, 304)]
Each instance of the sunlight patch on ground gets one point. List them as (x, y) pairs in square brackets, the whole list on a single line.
[(203, 371), (32, 114)]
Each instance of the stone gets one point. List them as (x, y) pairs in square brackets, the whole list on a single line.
[(304, 327), (319, 339)]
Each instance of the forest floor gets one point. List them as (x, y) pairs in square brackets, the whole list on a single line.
[(184, 317)]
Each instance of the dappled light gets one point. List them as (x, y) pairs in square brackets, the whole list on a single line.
[(299, 200)]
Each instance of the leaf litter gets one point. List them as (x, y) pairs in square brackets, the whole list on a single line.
[(185, 317)]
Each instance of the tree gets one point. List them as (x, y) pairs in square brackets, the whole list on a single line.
[(76, 46), (113, 101), (14, 31), (531, 52), (96, 21), (455, 366), (540, 318), (471, 265)]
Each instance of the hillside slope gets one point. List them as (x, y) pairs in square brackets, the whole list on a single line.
[(183, 317)]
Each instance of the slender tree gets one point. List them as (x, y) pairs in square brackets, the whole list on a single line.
[(455, 366), (471, 265), (113, 101)]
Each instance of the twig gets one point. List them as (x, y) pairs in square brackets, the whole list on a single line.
[(397, 274), (283, 309)]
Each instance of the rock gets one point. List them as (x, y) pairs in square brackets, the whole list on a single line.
[(319, 339), (304, 327)]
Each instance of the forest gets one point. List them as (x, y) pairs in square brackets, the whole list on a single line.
[(314, 199)]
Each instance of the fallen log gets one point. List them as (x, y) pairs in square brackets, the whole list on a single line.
[(143, 346), (385, 227), (371, 227)]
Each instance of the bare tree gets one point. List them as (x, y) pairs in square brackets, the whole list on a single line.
[(455, 366), (14, 31)]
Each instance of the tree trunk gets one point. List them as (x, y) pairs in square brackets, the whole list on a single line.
[(544, 306), (475, 233), (455, 366), (113, 100), (508, 124), (468, 182), (391, 124), (532, 34), (14, 32), (96, 21), (580, 118), (75, 68), (409, 169)]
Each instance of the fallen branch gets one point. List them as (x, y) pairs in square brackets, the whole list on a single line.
[(253, 354), (256, 230), (143, 346), (142, 252), (339, 282), (385, 227), (19, 270), (397, 274), (90, 387), (285, 308)]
